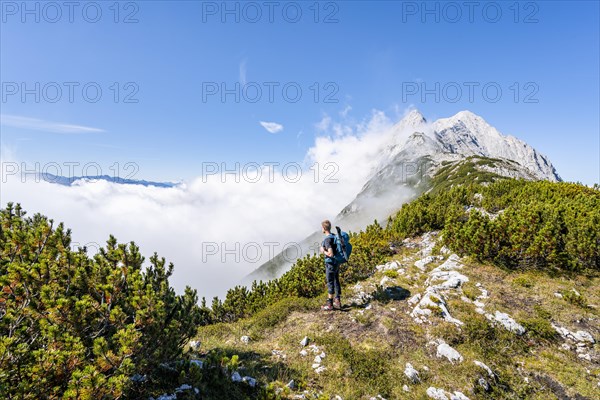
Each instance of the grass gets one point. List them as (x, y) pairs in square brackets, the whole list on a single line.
[(560, 367), (470, 291)]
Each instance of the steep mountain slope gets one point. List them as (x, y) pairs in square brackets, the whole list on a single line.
[(408, 163)]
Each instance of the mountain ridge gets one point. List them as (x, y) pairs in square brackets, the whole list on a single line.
[(70, 181), (416, 151)]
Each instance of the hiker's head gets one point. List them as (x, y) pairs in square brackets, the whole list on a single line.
[(326, 226)]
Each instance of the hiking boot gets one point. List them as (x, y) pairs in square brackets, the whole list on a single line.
[(337, 304), (327, 306)]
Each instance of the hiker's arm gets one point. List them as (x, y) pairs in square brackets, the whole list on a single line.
[(328, 252)]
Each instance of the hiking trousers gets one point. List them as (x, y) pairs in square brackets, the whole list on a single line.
[(332, 273)]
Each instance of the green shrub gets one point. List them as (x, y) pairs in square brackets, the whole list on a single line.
[(80, 327), (524, 281), (390, 273), (470, 291), (539, 224), (542, 312), (494, 343), (539, 328), (575, 298), (449, 332)]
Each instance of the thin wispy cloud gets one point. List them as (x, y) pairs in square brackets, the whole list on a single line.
[(323, 124), (345, 111), (243, 80), (272, 127), (36, 124)]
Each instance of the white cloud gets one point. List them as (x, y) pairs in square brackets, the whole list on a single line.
[(179, 223), (45, 126), (272, 127)]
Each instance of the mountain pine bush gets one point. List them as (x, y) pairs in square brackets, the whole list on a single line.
[(77, 327), (517, 224)]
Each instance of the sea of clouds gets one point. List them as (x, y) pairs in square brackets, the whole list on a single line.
[(216, 229)]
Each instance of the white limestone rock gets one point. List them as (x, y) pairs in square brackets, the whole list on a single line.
[(436, 394), (415, 299), (485, 367), (411, 373), (507, 322), (423, 262), (432, 299), (245, 339), (250, 381), (458, 396), (444, 350)]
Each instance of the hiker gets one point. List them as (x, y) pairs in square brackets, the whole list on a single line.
[(332, 269)]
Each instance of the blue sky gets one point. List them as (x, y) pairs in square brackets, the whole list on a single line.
[(368, 55)]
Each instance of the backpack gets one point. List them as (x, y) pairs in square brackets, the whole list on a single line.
[(343, 248)]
